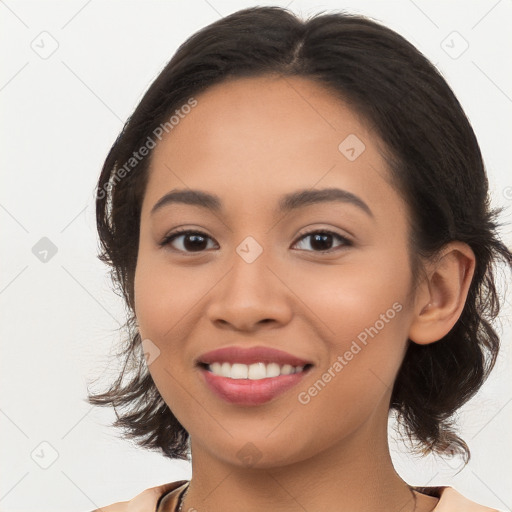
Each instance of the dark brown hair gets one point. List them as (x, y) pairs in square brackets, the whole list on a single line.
[(435, 162)]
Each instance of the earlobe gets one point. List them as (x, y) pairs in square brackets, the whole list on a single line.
[(441, 296)]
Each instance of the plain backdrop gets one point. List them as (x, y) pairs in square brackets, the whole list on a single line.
[(72, 73)]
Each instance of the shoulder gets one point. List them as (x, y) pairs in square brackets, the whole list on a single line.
[(145, 501), (452, 501)]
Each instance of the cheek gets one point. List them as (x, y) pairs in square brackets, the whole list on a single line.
[(164, 307), (363, 315), (350, 297), (164, 296), (354, 382)]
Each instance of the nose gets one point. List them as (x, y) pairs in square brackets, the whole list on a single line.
[(251, 296)]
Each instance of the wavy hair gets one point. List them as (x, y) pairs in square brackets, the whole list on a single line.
[(435, 163)]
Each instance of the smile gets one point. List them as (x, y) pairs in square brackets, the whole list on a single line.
[(256, 371), (245, 385)]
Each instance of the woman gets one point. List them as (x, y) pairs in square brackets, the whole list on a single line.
[(297, 215)]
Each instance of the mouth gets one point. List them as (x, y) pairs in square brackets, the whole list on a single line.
[(249, 376), (255, 371), (251, 385), (251, 355)]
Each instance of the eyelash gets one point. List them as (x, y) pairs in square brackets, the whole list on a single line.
[(170, 238)]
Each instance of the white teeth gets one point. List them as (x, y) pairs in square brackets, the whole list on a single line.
[(272, 370), (239, 371), (254, 371), (287, 369)]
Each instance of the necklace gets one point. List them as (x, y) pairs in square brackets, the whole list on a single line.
[(414, 497), (182, 498)]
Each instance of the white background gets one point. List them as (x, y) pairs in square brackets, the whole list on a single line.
[(60, 115)]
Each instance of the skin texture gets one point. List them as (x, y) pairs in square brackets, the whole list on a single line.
[(250, 141)]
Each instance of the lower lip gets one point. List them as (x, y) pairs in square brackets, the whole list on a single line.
[(251, 392)]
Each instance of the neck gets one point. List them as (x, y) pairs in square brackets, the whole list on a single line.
[(355, 475)]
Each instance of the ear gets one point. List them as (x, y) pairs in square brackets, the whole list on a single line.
[(441, 296)]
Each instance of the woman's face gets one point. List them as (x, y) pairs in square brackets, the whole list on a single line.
[(258, 277)]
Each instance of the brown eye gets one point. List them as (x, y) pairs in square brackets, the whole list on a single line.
[(322, 241), (192, 241)]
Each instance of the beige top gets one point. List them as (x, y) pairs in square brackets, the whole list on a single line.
[(166, 498)]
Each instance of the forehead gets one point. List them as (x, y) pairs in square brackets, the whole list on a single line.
[(251, 139), (255, 110)]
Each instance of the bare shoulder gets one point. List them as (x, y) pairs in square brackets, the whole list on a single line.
[(145, 501)]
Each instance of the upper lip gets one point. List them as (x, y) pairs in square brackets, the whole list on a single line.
[(234, 354)]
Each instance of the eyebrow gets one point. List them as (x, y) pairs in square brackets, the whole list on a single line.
[(287, 203)]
